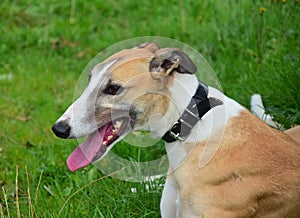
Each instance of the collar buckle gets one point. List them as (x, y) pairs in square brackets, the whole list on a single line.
[(174, 135)]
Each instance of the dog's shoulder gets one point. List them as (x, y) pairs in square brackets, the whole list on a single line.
[(251, 154)]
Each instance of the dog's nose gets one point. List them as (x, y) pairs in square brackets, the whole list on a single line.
[(61, 129)]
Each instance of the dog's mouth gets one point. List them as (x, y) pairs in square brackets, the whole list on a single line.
[(98, 144)]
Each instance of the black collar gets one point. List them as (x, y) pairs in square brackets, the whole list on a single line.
[(199, 105)]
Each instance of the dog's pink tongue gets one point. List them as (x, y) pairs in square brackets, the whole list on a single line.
[(84, 153)]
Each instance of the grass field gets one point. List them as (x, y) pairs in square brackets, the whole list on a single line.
[(253, 46)]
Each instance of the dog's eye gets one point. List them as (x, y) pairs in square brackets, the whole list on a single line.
[(113, 89)]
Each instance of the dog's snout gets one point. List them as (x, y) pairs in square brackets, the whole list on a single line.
[(61, 129)]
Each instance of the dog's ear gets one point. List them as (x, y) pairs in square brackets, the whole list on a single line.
[(169, 59)]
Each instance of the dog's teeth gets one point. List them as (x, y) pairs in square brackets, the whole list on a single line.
[(109, 137), (104, 143), (117, 125), (114, 132)]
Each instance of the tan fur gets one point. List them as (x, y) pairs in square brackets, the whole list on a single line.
[(255, 173), (294, 133), (131, 71)]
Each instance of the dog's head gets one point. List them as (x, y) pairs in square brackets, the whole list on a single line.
[(122, 94)]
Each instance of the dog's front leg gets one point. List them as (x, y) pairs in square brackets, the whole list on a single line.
[(168, 205)]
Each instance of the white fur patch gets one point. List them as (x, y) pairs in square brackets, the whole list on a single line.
[(76, 114)]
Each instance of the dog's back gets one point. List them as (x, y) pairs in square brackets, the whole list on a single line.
[(294, 133), (255, 173)]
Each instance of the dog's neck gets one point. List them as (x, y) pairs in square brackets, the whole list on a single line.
[(214, 119), (182, 90)]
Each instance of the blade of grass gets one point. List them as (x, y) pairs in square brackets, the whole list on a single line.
[(1, 211), (6, 203), (17, 193), (37, 189), (30, 208), (72, 12)]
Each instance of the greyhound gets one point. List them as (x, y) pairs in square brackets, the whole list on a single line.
[(253, 171)]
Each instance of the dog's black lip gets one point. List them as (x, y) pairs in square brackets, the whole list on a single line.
[(133, 116)]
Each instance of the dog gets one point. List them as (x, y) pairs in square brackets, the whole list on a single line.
[(224, 161)]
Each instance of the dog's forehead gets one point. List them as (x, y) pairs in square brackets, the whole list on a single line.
[(131, 53), (129, 63)]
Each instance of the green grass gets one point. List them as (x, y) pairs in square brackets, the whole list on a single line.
[(45, 45)]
